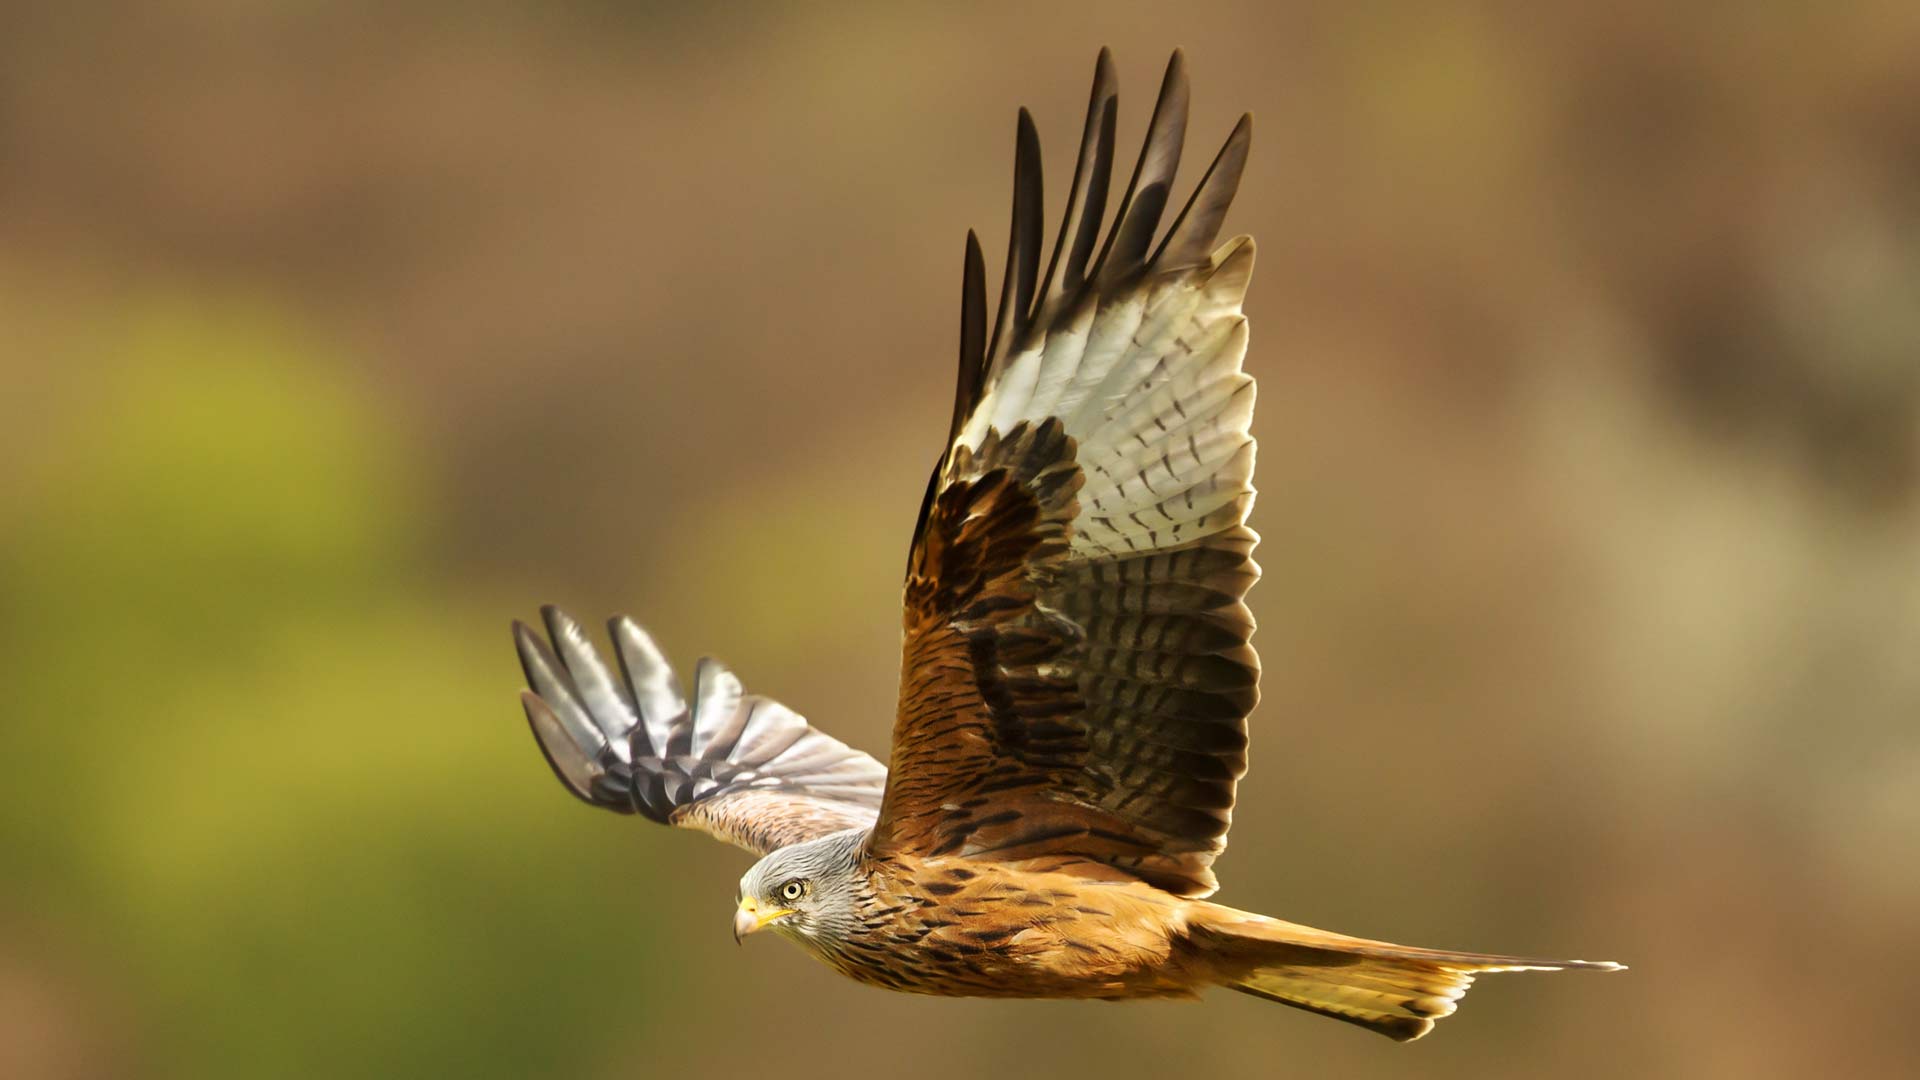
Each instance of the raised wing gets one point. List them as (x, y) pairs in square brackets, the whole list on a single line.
[(736, 766), (1076, 671)]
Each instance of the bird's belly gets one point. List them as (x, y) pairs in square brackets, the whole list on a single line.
[(952, 969), (1003, 933)]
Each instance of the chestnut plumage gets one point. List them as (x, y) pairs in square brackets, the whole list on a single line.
[(1077, 668)]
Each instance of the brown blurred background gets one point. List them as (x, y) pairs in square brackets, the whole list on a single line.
[(333, 336)]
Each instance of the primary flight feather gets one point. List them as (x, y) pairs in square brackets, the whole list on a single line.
[(1076, 671)]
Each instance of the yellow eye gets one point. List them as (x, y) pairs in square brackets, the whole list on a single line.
[(792, 890)]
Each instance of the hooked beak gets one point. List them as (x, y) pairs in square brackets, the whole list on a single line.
[(751, 920)]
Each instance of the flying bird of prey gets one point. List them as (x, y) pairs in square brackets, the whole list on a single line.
[(1076, 670)]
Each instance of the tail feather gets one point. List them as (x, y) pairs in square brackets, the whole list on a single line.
[(1396, 990)]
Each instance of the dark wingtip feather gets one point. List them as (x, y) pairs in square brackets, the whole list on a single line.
[(1191, 240), (1146, 196), (973, 335), (1031, 223), (573, 768), (542, 668), (1023, 242), (573, 739), (971, 378), (560, 627), (1087, 197)]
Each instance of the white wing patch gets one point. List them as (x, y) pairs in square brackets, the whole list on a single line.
[(1151, 389)]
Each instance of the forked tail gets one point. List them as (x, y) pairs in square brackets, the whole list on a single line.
[(1396, 990)]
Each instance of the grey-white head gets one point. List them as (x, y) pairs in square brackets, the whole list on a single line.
[(804, 891)]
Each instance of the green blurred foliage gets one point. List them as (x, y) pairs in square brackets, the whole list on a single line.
[(229, 691)]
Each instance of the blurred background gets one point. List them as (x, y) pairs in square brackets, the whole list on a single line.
[(335, 336)]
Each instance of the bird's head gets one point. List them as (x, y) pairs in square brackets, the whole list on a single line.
[(804, 891)]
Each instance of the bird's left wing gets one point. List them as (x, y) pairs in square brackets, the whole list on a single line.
[(739, 767)]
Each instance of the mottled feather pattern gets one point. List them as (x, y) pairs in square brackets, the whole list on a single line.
[(1076, 666), (1074, 601), (958, 927)]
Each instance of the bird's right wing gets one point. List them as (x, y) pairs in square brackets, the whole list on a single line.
[(743, 768), (1076, 671)]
